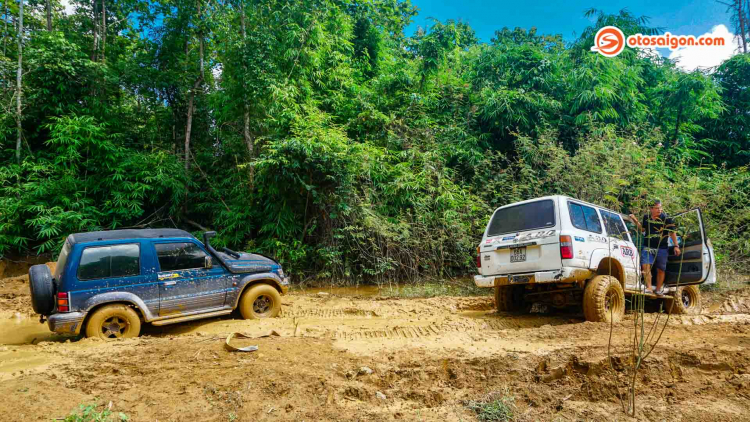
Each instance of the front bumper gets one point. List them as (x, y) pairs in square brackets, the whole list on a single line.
[(66, 323), (284, 285), (563, 275)]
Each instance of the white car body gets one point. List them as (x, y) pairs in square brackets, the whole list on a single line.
[(522, 245)]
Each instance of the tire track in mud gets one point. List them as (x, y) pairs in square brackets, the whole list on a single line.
[(462, 325), (327, 313)]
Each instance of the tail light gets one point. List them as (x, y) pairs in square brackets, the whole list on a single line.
[(479, 258), (63, 305), (566, 247)]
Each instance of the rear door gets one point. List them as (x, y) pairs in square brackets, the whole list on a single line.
[(694, 264), (184, 284), (621, 246), (522, 238)]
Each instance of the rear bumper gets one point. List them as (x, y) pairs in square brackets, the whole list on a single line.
[(565, 274), (66, 323)]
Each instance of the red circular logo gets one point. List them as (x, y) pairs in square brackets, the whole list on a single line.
[(609, 41)]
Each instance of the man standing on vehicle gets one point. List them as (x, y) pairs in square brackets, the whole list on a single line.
[(656, 226)]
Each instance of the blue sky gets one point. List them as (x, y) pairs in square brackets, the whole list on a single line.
[(693, 17)]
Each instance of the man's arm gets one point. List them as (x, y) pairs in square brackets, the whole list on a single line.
[(636, 222), (676, 245)]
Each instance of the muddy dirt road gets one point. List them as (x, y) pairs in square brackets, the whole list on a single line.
[(373, 358)]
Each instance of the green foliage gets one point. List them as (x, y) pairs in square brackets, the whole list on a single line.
[(495, 407), (89, 413), (367, 155)]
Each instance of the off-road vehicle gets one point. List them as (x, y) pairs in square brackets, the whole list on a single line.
[(560, 251), (108, 283)]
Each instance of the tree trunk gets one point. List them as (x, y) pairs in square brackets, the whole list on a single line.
[(95, 21), (104, 32), (742, 21), (191, 106), (19, 76), (5, 30), (49, 15), (677, 125), (246, 116)]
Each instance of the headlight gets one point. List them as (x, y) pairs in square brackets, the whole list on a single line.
[(281, 273)]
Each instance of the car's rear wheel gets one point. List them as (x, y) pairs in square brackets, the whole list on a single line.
[(603, 299), (508, 298), (686, 300), (260, 301), (112, 322)]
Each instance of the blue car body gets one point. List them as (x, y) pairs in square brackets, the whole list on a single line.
[(161, 297)]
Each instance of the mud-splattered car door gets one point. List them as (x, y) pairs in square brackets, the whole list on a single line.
[(185, 284), (695, 262)]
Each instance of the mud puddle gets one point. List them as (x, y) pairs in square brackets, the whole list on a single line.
[(17, 329)]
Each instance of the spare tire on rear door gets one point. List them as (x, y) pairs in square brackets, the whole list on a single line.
[(42, 289)]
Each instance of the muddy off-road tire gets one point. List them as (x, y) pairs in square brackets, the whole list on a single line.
[(603, 299), (260, 301), (686, 300), (42, 290), (508, 298), (112, 322)]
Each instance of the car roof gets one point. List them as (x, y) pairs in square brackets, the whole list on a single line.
[(557, 197), (126, 234)]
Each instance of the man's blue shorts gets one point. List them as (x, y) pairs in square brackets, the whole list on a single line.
[(649, 257)]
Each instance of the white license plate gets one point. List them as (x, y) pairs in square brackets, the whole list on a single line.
[(518, 254)]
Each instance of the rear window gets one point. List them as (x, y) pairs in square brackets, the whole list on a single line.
[(534, 215), (109, 261), (61, 261)]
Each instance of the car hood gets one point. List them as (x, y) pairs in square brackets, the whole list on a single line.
[(249, 263)]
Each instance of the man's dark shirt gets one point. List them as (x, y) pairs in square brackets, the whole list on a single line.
[(657, 231)]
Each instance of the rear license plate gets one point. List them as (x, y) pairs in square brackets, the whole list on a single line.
[(518, 254)]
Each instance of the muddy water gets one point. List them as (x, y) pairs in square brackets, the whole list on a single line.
[(19, 329)]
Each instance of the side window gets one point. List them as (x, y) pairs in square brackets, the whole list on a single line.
[(109, 261), (584, 218), (179, 256), (615, 227)]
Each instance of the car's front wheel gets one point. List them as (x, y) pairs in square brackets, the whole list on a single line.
[(686, 300), (260, 301), (114, 321)]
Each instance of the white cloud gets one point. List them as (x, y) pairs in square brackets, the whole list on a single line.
[(694, 57), (68, 7)]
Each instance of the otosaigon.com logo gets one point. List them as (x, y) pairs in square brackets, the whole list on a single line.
[(610, 41)]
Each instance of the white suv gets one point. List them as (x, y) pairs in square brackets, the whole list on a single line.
[(560, 251)]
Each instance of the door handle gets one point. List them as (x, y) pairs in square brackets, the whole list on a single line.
[(170, 283)]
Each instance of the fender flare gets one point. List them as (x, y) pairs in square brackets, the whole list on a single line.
[(599, 255), (270, 278), (117, 297)]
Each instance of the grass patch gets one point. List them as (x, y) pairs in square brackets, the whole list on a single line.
[(90, 413), (494, 407), (437, 288)]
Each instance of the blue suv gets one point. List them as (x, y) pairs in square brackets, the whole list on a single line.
[(110, 282)]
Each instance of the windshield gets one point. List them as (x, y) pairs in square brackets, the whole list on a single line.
[(61, 261), (534, 215)]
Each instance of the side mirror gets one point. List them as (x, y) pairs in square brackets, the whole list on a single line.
[(208, 263)]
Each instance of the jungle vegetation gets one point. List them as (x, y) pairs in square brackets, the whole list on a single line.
[(319, 132)]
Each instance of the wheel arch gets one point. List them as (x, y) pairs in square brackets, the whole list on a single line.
[(612, 267), (254, 280)]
